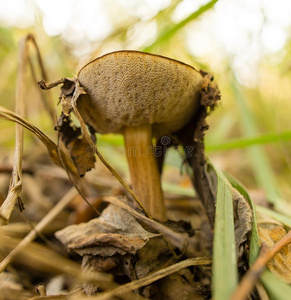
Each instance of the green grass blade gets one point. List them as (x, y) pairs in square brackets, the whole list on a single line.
[(251, 141), (175, 189), (276, 289), (225, 275), (261, 166), (170, 31), (278, 216)]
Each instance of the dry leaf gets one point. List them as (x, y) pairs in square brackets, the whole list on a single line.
[(270, 233), (114, 232), (243, 220), (79, 148), (115, 242)]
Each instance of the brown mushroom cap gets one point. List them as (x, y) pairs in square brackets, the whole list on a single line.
[(131, 88)]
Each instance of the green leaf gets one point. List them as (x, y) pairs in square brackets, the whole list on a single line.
[(170, 31), (259, 160), (177, 189), (275, 288), (225, 274), (278, 216), (240, 143)]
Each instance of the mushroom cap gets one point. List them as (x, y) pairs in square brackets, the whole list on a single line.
[(131, 88)]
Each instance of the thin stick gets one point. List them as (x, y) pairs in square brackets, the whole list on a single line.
[(134, 285), (47, 101), (39, 227), (51, 146), (252, 275), (16, 180)]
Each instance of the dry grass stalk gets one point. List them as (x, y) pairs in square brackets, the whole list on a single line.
[(15, 188), (38, 228), (134, 285)]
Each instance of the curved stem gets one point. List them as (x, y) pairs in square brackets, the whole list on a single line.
[(145, 176)]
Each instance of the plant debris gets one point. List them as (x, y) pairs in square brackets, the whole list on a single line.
[(147, 257)]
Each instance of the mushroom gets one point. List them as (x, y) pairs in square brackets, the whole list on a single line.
[(143, 96)]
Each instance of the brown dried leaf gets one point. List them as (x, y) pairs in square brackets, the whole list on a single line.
[(67, 131), (82, 155), (176, 239), (100, 264), (78, 146), (119, 242), (243, 220), (122, 290), (80, 150), (270, 233), (114, 232), (68, 86)]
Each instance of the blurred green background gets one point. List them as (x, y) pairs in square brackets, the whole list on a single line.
[(244, 43)]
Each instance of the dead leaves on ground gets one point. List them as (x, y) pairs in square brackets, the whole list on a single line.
[(270, 232), (130, 245), (116, 243)]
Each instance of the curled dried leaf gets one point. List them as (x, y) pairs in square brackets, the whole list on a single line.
[(243, 220), (80, 149), (81, 152), (114, 232)]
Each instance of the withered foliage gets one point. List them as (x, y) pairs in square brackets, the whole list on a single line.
[(123, 240), (116, 242)]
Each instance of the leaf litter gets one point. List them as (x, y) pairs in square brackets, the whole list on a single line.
[(124, 241)]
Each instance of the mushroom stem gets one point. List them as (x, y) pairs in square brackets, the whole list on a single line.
[(143, 167)]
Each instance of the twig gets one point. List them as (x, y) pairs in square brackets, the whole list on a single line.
[(134, 285), (16, 180), (47, 101), (50, 145), (252, 275), (39, 227), (7, 168)]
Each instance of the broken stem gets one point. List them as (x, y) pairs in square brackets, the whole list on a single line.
[(47, 101), (16, 180), (47, 86)]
